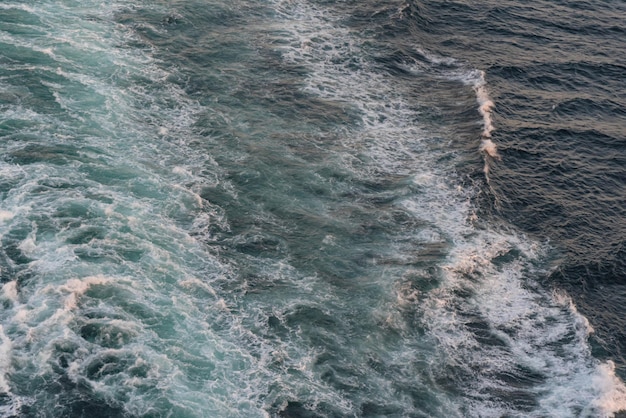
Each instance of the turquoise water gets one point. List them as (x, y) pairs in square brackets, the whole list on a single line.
[(236, 209)]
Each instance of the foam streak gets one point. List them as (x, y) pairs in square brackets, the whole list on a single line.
[(485, 108)]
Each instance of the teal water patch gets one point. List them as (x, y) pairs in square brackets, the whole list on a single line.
[(109, 308)]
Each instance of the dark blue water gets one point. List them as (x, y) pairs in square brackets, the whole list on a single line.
[(312, 209), (556, 72)]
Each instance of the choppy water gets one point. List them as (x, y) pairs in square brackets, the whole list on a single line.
[(312, 209)]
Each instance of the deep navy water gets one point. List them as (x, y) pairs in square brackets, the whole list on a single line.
[(300, 208)]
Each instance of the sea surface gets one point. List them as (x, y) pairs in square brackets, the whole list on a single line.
[(312, 208)]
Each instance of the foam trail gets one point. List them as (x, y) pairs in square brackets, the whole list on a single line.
[(485, 107)]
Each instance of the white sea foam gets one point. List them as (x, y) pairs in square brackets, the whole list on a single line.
[(5, 215), (485, 107), (531, 330), (24, 7), (477, 80), (5, 360), (77, 287), (611, 392), (11, 404), (197, 283), (9, 290)]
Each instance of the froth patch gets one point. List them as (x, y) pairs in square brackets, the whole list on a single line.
[(5, 360), (77, 287), (10, 290), (508, 326), (485, 108), (17, 7), (610, 396), (181, 171), (195, 283), (488, 146), (567, 302), (5, 215), (28, 246), (612, 391)]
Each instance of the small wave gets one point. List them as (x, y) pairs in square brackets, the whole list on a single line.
[(485, 108), (450, 68), (476, 79)]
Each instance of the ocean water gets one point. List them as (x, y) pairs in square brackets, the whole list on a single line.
[(307, 208)]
